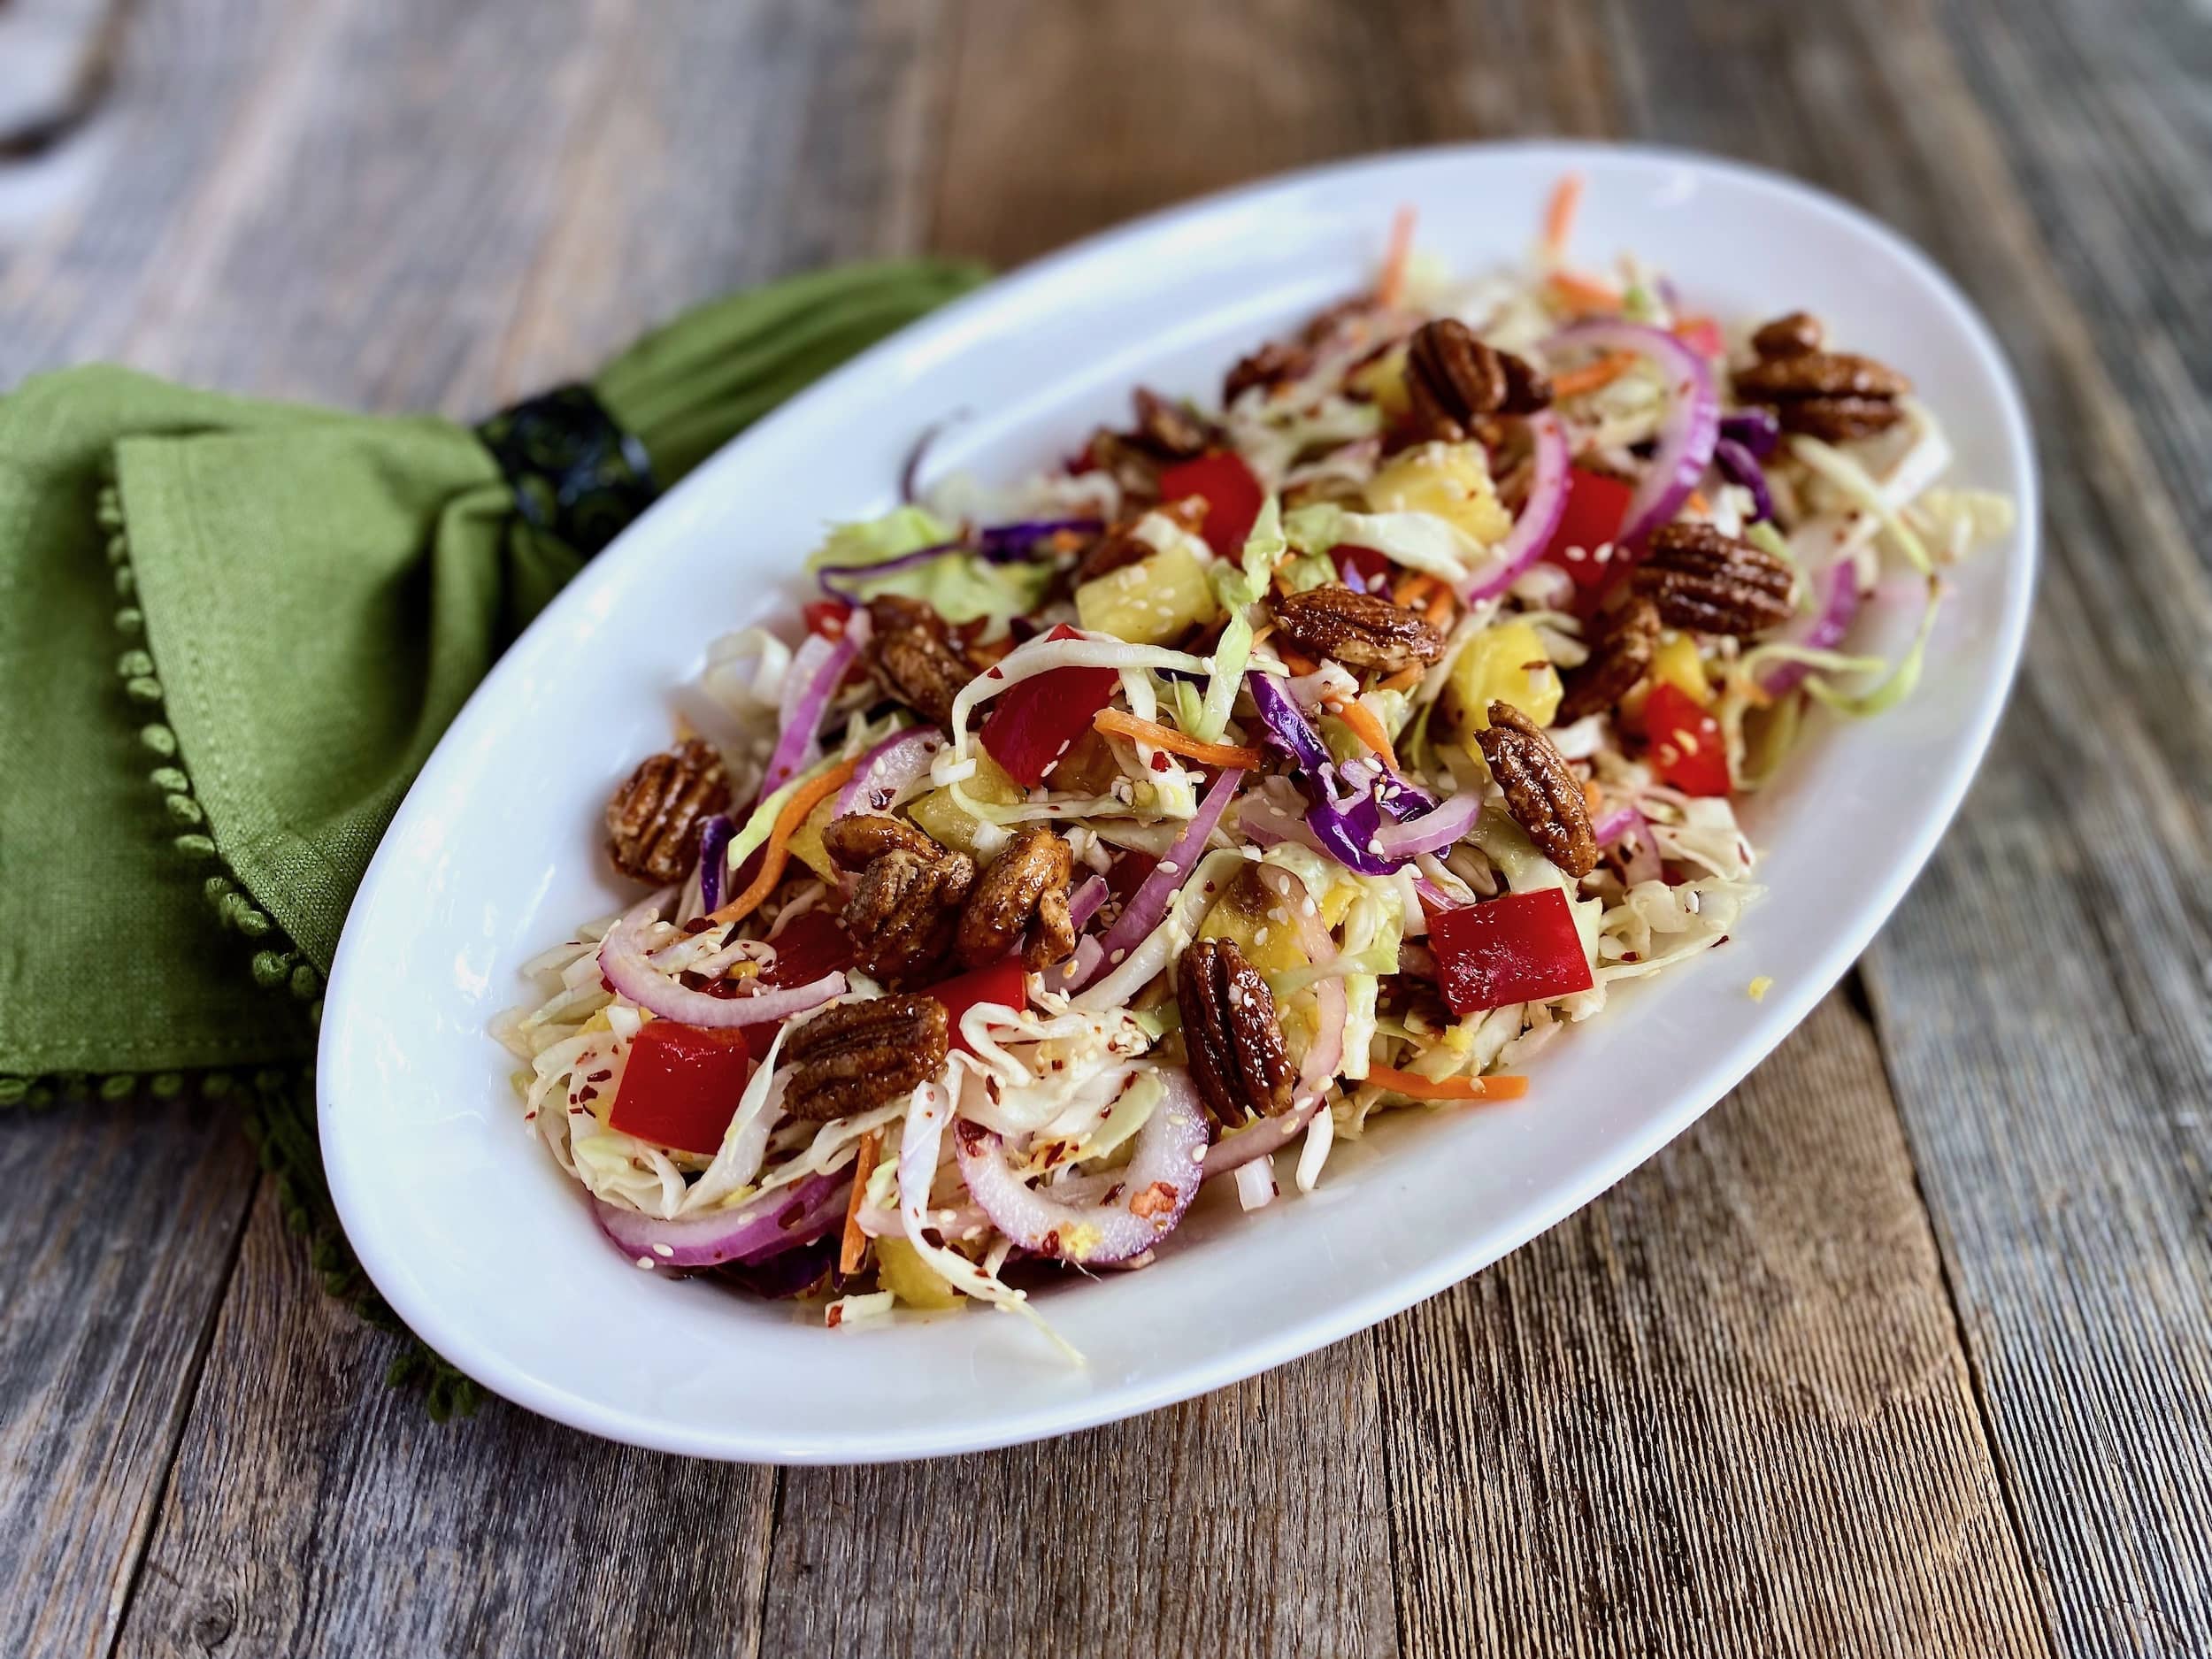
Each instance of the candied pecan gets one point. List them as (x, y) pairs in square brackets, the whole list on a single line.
[(1271, 366), (1454, 380), (1713, 583), (655, 819), (855, 1056), (1620, 654), (1169, 430), (1122, 545), (1832, 394), (1133, 468), (914, 656), (1230, 1034), (1541, 791), (1788, 336), (1027, 881), (907, 898), (1358, 630)]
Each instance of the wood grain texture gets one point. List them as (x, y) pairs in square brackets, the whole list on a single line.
[(116, 1239), (1722, 1411), (315, 1511)]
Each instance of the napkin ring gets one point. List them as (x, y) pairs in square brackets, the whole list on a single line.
[(574, 472)]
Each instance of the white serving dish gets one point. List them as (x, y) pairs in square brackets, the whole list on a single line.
[(488, 1251)]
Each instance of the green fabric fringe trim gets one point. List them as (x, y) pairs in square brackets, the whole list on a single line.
[(279, 1102)]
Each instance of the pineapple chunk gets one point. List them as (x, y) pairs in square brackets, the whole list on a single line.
[(1153, 601), (1448, 480), (1241, 916), (1678, 663), (806, 840), (901, 1270), (1504, 664), (947, 822), (1384, 379)]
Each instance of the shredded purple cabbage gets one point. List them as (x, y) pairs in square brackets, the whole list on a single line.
[(1346, 827), (1738, 465), (1757, 429), (1001, 543), (714, 841)]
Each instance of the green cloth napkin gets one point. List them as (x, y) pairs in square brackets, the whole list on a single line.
[(230, 633)]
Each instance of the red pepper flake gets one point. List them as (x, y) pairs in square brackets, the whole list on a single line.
[(1160, 762), (697, 924), (993, 673), (1051, 1244), (834, 1317)]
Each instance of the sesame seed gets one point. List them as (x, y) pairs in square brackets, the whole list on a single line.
[(645, 1261), (663, 1249)]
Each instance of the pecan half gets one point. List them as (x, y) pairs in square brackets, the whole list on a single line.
[(1027, 882), (1273, 364), (1713, 583), (1169, 430), (1832, 394), (855, 1056), (1541, 791), (914, 657), (907, 898), (1788, 336), (1620, 654), (655, 819), (1454, 380), (1230, 1032), (1358, 630)]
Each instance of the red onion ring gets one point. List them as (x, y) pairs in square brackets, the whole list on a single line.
[(1431, 832), (1541, 513), (762, 1227), (1149, 904), (816, 671), (1685, 438), (1149, 1196), (1615, 825), (1823, 631), (1086, 902), (625, 965), (888, 768)]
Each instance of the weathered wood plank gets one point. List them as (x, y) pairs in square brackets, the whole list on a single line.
[(313, 1510), (1246, 1522), (2040, 999), (1724, 1410), (117, 1234)]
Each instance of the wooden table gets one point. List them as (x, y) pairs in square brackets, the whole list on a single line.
[(1906, 1348)]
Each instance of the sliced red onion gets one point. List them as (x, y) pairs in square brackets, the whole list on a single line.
[(714, 846), (625, 966), (1738, 465), (1823, 631), (1644, 863), (911, 472), (888, 768), (1149, 904), (816, 671), (1146, 1201), (1417, 960), (762, 1227), (1686, 437), (843, 581), (1615, 825), (1085, 900), (1532, 532), (1432, 831)]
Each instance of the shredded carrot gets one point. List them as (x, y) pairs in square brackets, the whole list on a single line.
[(1168, 738), (1365, 725), (855, 1241), (1295, 659), (1590, 798), (1559, 217), (803, 801), (1588, 378), (1696, 503), (1447, 1088), (1405, 680), (1411, 586), (1585, 294), (1395, 258), (1439, 615)]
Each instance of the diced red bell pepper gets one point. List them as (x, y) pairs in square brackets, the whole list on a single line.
[(1687, 744), (1000, 982), (1596, 505), (1034, 723), (814, 944), (681, 1086), (1372, 568), (826, 617), (1232, 495), (1519, 947)]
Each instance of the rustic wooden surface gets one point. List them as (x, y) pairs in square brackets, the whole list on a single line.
[(1906, 1348)]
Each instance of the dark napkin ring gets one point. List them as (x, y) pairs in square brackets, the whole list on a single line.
[(574, 472)]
